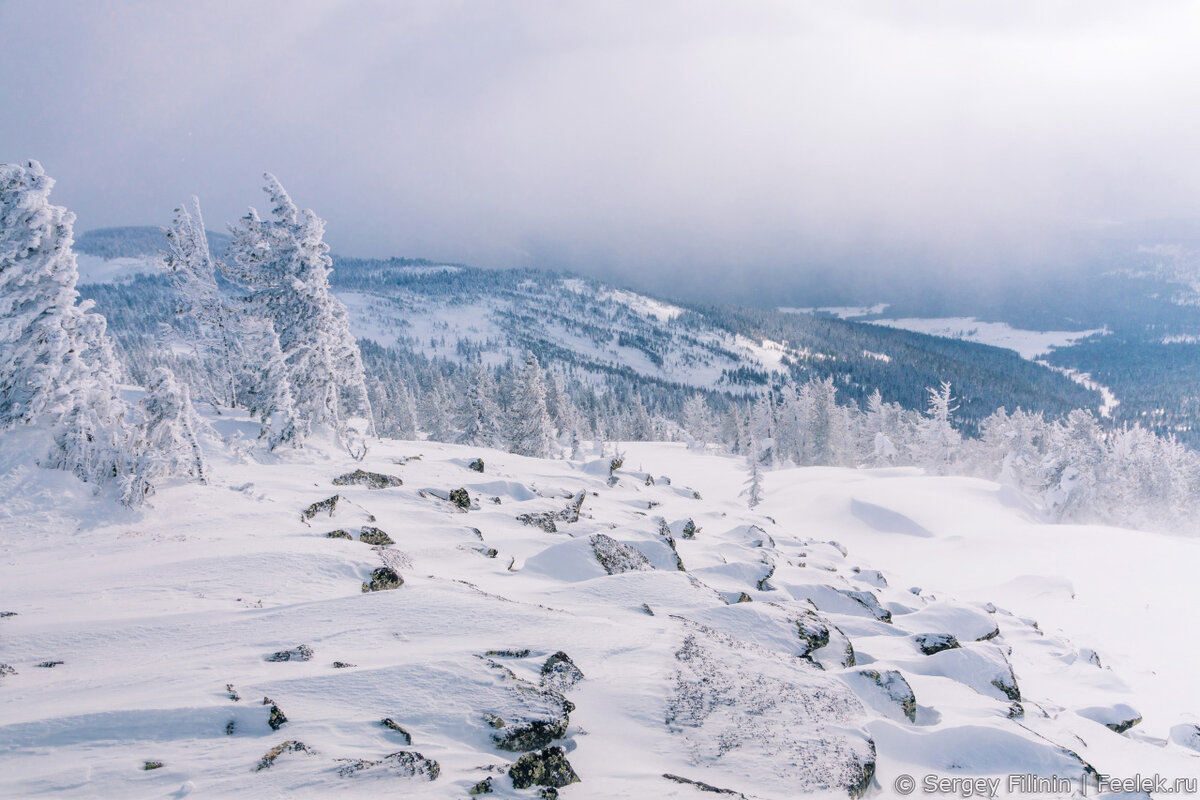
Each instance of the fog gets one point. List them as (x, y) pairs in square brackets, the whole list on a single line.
[(689, 144)]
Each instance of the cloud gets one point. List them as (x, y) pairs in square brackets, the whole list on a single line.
[(636, 138)]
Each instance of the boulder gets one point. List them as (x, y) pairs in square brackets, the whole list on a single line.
[(382, 579), (1118, 717), (339, 534), (617, 557), (930, 643), (460, 498), (372, 480), (328, 505), (485, 785), (149, 765), (560, 673), (375, 536), (404, 764), (546, 768), (885, 691), (540, 519), (476, 465), (392, 725)]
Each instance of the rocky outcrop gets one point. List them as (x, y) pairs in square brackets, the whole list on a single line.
[(617, 557), (276, 719), (375, 536), (460, 498), (290, 746), (701, 785), (540, 519), (328, 506), (382, 579), (339, 534), (930, 643), (476, 465), (392, 725), (404, 764), (546, 768), (300, 652), (372, 480), (889, 685), (559, 673)]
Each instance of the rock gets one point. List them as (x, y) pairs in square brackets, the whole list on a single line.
[(300, 652), (530, 735), (540, 519), (290, 746), (6, 614), (149, 765), (374, 536), (547, 768), (560, 673), (1118, 717), (930, 643), (391, 724), (372, 480), (548, 793), (616, 557), (890, 686), (339, 534), (869, 601), (460, 498), (744, 598), (485, 785), (701, 785), (493, 721), (689, 528), (522, 653), (329, 504), (231, 727), (571, 512), (404, 764), (476, 465), (277, 718), (343, 665), (50, 664), (5, 669), (382, 579), (813, 632), (648, 611), (232, 692)]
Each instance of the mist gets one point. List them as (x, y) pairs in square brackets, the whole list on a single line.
[(710, 149)]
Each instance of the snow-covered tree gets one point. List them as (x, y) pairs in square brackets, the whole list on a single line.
[(284, 263), (531, 432), (762, 429), (879, 432), (212, 334), (1074, 467), (698, 422), (167, 438), (56, 363), (753, 491), (478, 414), (937, 442)]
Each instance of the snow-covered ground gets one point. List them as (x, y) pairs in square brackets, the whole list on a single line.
[(800, 691), (94, 269), (1029, 344)]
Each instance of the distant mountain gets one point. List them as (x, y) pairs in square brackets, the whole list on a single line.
[(137, 241)]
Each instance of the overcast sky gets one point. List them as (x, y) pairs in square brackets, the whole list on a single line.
[(625, 136)]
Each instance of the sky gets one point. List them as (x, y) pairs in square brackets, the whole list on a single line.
[(657, 141)]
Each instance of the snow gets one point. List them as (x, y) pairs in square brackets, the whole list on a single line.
[(153, 612), (1029, 344)]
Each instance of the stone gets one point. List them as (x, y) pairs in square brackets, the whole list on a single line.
[(300, 652), (149, 765), (382, 579), (290, 746), (460, 498), (375, 536), (328, 505), (391, 724), (404, 764), (372, 480), (546, 768), (339, 534), (476, 465), (560, 673), (485, 785), (930, 643)]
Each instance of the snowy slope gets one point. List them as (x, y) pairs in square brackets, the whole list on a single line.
[(816, 686)]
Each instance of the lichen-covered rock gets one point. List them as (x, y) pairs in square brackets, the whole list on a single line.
[(276, 719), (460, 498), (617, 557), (546, 768), (339, 534), (701, 785), (382, 579), (372, 480), (232, 692), (404, 764), (149, 765), (343, 665), (689, 528), (930, 643), (392, 725), (301, 652), (521, 653), (375, 536), (485, 785), (328, 505), (889, 687), (813, 632), (290, 746), (476, 465), (525, 736), (870, 602), (50, 664), (560, 673), (540, 519), (744, 705)]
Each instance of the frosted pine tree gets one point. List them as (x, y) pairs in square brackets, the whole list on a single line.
[(212, 333), (698, 422), (56, 362), (478, 414), (754, 488), (531, 432), (937, 443), (284, 263), (762, 429), (167, 440)]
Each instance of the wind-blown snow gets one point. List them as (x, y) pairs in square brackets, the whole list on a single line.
[(153, 612)]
